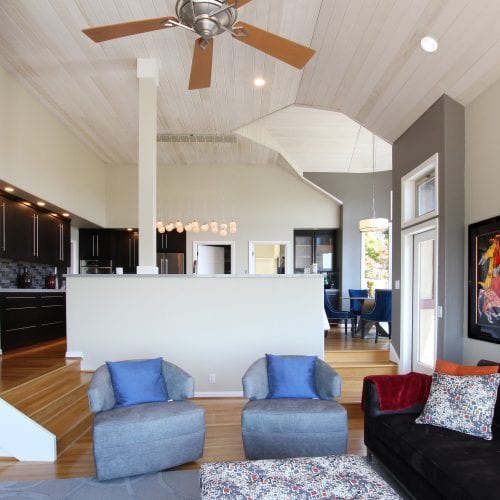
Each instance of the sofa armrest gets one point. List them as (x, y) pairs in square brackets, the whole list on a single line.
[(328, 381), (180, 385), (100, 392), (371, 402), (255, 383)]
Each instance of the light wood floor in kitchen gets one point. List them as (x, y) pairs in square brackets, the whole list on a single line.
[(223, 429)]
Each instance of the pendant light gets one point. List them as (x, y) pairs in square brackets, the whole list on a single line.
[(373, 224)]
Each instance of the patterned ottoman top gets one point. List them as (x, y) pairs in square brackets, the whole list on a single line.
[(341, 477)]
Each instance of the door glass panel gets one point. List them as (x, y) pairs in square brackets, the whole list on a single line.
[(324, 253), (303, 251), (425, 299)]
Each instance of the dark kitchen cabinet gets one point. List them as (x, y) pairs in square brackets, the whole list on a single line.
[(31, 317), (96, 244), (126, 250), (21, 232), (319, 247), (33, 235), (171, 242)]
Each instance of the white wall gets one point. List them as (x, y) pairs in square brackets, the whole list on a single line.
[(38, 154), (206, 325), (482, 182), (266, 201)]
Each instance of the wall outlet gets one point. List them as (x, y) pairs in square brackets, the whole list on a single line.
[(211, 378)]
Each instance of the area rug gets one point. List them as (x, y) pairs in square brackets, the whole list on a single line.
[(176, 485)]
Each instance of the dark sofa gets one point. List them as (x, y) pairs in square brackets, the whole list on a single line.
[(432, 462)]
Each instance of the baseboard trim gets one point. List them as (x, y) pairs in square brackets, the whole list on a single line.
[(74, 354), (221, 394)]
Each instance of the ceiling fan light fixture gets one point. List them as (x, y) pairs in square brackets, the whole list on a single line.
[(429, 44)]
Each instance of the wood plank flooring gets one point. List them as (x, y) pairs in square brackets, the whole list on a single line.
[(223, 426)]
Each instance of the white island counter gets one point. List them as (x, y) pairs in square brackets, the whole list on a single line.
[(212, 326)]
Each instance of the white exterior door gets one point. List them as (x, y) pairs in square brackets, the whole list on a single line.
[(424, 324)]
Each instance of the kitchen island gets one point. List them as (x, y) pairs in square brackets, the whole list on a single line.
[(212, 326)]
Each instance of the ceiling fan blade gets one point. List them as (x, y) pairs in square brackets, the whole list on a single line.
[(112, 31), (240, 3), (283, 49), (201, 68)]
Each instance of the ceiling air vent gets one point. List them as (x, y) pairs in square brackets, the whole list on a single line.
[(226, 138)]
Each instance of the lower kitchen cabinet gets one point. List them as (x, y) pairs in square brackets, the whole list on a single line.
[(31, 317)]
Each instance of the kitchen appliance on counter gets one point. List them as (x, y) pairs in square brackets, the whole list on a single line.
[(170, 263), (95, 266)]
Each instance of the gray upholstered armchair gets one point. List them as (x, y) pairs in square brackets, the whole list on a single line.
[(285, 428), (146, 437)]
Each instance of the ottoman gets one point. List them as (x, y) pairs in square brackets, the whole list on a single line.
[(346, 476), (286, 428)]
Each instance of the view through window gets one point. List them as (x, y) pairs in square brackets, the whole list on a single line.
[(375, 260)]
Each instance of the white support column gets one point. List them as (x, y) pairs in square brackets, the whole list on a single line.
[(147, 73)]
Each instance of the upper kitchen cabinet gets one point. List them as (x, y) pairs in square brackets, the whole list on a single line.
[(21, 231), (317, 247), (53, 240), (126, 253), (171, 242), (96, 244)]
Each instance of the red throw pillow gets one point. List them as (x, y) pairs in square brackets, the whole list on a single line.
[(450, 368)]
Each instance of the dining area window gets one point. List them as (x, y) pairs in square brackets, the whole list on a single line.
[(375, 260)]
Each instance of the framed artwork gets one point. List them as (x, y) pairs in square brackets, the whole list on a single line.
[(484, 280)]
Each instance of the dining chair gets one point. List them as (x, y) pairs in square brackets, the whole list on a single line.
[(334, 314), (381, 312), (357, 305)]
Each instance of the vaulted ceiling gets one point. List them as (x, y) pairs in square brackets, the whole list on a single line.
[(368, 66)]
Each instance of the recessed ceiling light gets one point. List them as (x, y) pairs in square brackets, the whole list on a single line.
[(53, 214), (27, 203), (129, 229), (9, 189), (65, 214), (429, 44), (40, 203), (259, 82)]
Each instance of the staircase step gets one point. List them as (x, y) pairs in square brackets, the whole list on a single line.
[(70, 423), (20, 393), (361, 370), (359, 356), (57, 401)]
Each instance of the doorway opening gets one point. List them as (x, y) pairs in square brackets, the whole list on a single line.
[(213, 257), (269, 257)]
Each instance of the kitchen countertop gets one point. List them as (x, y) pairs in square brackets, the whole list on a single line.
[(31, 290)]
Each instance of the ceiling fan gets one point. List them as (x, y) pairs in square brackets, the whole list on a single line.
[(209, 18)]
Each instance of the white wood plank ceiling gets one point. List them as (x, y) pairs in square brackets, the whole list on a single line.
[(368, 65)]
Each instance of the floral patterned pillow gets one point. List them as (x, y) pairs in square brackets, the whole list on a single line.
[(462, 403)]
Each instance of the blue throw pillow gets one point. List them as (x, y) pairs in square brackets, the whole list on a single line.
[(136, 382), (291, 376)]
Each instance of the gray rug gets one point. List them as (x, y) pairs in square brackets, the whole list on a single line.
[(177, 485)]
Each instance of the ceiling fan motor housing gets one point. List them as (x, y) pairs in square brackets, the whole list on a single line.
[(197, 15)]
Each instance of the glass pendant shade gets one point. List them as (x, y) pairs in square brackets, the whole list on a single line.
[(374, 223)]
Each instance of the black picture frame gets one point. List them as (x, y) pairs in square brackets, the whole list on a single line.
[(484, 280)]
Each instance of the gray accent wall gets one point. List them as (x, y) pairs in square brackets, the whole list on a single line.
[(440, 129), (355, 192)]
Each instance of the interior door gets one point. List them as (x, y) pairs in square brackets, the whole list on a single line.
[(210, 259), (424, 326)]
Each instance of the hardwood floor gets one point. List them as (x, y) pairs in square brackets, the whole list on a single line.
[(223, 427)]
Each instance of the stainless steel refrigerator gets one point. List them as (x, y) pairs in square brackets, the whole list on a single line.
[(170, 263)]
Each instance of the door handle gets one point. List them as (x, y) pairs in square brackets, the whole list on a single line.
[(129, 253), (97, 245), (34, 235), (3, 226), (93, 252)]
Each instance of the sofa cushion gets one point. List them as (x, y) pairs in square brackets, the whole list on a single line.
[(291, 376), (462, 403), (454, 464), (138, 381), (293, 415), (451, 368)]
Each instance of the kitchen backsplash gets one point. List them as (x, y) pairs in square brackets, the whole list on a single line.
[(11, 269)]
